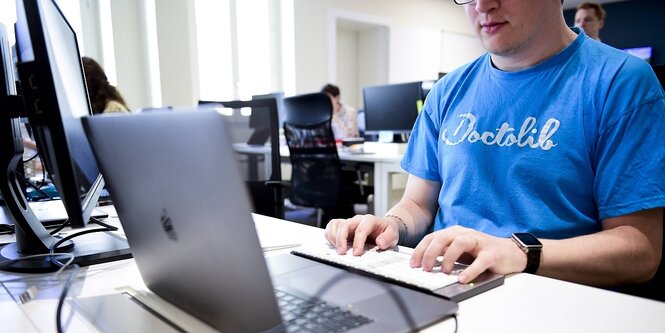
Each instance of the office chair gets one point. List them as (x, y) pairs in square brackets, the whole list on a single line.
[(267, 194), (317, 177)]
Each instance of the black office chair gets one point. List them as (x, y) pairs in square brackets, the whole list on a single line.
[(317, 177), (267, 194)]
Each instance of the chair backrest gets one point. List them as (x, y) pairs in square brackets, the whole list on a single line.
[(266, 198), (315, 165)]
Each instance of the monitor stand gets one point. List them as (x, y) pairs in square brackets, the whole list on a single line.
[(89, 249), (392, 137)]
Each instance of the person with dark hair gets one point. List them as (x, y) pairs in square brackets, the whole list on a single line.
[(544, 155), (344, 118), (104, 97), (590, 16)]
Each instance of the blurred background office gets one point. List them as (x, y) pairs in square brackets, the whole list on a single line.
[(174, 52), (344, 117), (104, 97), (590, 16)]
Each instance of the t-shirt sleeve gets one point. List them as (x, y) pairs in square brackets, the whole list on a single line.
[(420, 158), (630, 169)]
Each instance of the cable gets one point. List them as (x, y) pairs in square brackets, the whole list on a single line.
[(28, 294), (71, 279), (64, 239), (92, 219), (63, 296), (49, 255), (98, 221), (60, 227), (31, 158)]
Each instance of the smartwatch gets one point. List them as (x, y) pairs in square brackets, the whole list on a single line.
[(532, 247)]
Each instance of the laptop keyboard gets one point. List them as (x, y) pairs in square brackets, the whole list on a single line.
[(392, 265), (314, 315)]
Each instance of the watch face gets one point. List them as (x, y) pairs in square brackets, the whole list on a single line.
[(527, 239)]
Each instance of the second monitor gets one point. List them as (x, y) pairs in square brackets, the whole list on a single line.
[(392, 109)]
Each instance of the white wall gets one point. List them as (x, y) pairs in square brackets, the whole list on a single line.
[(347, 51), (457, 49), (176, 35), (414, 51), (130, 48)]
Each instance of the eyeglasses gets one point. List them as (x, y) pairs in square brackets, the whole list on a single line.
[(463, 2)]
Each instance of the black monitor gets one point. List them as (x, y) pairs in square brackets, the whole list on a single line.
[(259, 120), (660, 73), (55, 96), (392, 108), (644, 52)]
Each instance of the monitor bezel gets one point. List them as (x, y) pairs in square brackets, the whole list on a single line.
[(370, 109), (49, 126)]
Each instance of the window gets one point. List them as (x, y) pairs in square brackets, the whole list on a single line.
[(240, 48)]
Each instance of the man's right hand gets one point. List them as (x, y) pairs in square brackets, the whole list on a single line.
[(384, 232)]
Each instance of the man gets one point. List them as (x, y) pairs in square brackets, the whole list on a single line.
[(590, 16), (519, 141)]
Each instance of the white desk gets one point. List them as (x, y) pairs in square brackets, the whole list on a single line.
[(384, 157), (525, 303)]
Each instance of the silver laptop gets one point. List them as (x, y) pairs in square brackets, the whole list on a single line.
[(186, 214), (49, 213)]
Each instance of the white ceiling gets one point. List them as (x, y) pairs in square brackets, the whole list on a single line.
[(569, 4)]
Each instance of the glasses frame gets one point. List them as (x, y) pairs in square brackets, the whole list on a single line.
[(463, 2)]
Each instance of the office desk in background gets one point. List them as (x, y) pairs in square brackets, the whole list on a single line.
[(385, 159), (525, 303)]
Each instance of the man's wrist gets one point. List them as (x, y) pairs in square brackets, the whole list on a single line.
[(403, 230)]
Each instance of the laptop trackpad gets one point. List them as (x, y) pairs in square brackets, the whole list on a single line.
[(330, 283)]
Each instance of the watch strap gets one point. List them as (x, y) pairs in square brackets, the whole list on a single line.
[(532, 261)]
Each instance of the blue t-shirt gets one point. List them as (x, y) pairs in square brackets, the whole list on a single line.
[(551, 150)]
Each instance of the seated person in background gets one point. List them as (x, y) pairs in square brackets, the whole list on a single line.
[(590, 16), (104, 98), (517, 142), (345, 118)]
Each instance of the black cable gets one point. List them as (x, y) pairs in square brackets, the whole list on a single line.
[(63, 296), (6, 229), (60, 227), (64, 239), (71, 279), (92, 219), (99, 222), (29, 183), (31, 158)]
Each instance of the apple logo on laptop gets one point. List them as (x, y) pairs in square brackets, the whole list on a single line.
[(167, 225)]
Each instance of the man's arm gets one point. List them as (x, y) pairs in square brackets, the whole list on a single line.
[(627, 251), (416, 209)]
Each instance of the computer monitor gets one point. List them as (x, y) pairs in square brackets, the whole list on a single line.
[(645, 53), (392, 108), (259, 120), (10, 135), (660, 73), (55, 95)]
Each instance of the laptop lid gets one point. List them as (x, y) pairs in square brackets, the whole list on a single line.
[(186, 214)]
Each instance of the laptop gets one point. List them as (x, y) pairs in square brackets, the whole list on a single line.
[(183, 206), (51, 213)]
